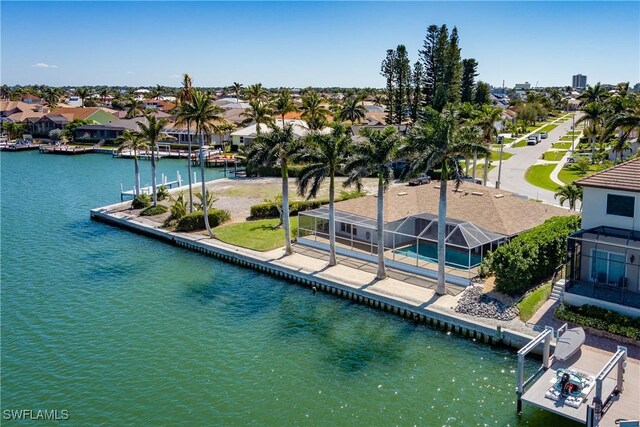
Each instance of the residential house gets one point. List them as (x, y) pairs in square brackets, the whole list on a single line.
[(248, 134), (43, 125), (99, 115), (603, 264), (479, 219)]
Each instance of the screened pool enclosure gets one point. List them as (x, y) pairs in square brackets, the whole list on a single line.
[(410, 243)]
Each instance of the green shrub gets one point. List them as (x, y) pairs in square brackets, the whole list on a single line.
[(293, 171), (600, 318), (270, 210), (162, 192), (532, 256), (195, 220), (140, 202), (154, 210)]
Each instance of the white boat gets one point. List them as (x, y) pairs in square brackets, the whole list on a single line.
[(569, 343)]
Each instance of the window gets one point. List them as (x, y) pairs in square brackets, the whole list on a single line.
[(608, 267), (345, 228), (620, 205)]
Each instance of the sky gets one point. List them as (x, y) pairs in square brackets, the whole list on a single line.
[(299, 44)]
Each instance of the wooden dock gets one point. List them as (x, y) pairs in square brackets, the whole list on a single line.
[(68, 150), (217, 161), (18, 147)]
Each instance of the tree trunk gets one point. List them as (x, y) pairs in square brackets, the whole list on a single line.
[(475, 162), (153, 174), (284, 168), (593, 147), (486, 168), (382, 271), (332, 221), (442, 224), (204, 192), (466, 166), (137, 170), (189, 168)]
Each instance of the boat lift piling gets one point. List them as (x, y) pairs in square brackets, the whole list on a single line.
[(545, 336), (595, 410), (149, 189)]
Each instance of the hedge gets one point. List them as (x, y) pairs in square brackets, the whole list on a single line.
[(195, 220), (154, 210), (599, 318), (532, 257), (270, 210)]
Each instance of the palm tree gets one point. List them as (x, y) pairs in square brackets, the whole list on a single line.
[(258, 112), (151, 132), (134, 107), (284, 104), (83, 93), (13, 129), (352, 110), (185, 94), (594, 113), (277, 147), (486, 120), (204, 114), (373, 156), (256, 93), (323, 157), (314, 112), (570, 192), (104, 94), (593, 94), (133, 141), (237, 88), (51, 98), (440, 140)]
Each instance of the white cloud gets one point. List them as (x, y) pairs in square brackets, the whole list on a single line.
[(43, 65)]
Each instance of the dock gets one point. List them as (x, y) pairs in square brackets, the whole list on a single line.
[(18, 147), (130, 194), (68, 150), (217, 161), (608, 399)]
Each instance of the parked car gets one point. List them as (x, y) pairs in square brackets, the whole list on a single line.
[(419, 180), (533, 140), (544, 135), (473, 180)]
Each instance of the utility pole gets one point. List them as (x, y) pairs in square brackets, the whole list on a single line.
[(573, 132), (501, 142)]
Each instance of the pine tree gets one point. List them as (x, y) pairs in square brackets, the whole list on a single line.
[(482, 93), (453, 68), (469, 73), (441, 49), (402, 74), (417, 79), (387, 71), (428, 58)]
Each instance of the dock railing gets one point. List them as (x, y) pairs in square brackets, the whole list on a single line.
[(597, 407), (545, 337)]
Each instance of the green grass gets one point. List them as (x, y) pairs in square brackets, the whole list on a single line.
[(571, 173), (548, 128), (260, 235), (539, 175), (562, 145), (533, 300), (554, 156), (495, 155), (567, 138), (519, 144)]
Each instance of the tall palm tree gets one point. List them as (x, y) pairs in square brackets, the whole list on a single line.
[(256, 92), (83, 93), (258, 112), (134, 107), (486, 120), (440, 140), (314, 112), (151, 133), (104, 94), (352, 110), (594, 114), (593, 94), (237, 88), (186, 92), (373, 157), (283, 104), (570, 192), (133, 141), (205, 115), (323, 157), (183, 117), (51, 97), (277, 147)]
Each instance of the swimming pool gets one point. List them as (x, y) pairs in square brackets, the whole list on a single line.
[(429, 252)]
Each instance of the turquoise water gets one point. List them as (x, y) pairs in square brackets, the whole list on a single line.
[(119, 329), (429, 252)]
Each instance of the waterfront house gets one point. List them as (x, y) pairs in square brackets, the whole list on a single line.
[(479, 219), (603, 266), (98, 132), (99, 115), (41, 126), (246, 135)]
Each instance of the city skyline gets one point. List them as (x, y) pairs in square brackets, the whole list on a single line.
[(310, 43)]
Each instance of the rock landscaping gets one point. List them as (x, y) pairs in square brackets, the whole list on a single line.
[(475, 302)]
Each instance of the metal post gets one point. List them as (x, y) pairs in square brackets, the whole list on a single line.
[(520, 389), (225, 167), (622, 363), (547, 348), (417, 250), (500, 165), (573, 129)]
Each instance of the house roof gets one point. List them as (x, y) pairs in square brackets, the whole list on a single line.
[(300, 128), (625, 176), (16, 105), (25, 115), (495, 210), (79, 112)]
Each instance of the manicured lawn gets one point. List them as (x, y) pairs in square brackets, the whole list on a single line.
[(548, 128), (562, 145), (519, 144), (495, 155), (571, 173), (533, 301), (567, 138), (538, 175), (259, 235), (554, 156)]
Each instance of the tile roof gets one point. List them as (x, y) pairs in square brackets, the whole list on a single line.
[(507, 214), (625, 176), (79, 112)]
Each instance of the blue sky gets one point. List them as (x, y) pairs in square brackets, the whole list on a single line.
[(309, 43)]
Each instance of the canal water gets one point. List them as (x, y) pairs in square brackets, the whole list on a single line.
[(119, 329)]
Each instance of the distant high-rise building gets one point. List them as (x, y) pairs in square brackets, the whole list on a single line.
[(579, 81), (522, 86)]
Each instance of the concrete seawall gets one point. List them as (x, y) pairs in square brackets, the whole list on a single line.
[(418, 313)]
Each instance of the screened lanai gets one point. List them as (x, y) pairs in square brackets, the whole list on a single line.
[(411, 241)]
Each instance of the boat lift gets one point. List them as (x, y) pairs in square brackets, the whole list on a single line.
[(130, 194)]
